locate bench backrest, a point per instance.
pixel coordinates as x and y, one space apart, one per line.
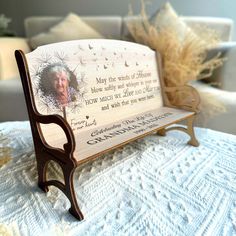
109 80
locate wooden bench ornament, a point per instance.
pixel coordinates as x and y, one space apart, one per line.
87 97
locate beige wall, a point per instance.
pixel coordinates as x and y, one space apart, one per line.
19 9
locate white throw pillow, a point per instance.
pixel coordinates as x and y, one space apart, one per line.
166 17
71 28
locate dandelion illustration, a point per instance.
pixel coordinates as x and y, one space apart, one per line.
61 56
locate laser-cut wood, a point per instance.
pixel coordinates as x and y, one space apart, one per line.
126 99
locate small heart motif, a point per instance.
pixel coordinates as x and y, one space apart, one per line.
87 117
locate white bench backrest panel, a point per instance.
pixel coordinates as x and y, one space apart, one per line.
116 79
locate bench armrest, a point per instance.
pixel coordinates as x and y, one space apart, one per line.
69 147
8 45
183 97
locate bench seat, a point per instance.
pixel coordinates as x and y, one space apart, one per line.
96 141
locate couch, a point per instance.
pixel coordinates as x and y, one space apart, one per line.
12 104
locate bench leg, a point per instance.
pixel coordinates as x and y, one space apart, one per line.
162 132
42 170
67 188
70 193
189 130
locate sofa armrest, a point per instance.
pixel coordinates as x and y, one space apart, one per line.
8 45
224 76
223 121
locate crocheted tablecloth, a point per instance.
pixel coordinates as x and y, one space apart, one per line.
154 186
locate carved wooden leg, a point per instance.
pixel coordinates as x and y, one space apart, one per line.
162 132
70 193
67 188
189 130
193 141
42 169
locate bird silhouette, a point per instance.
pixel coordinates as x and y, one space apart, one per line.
81 61
80 47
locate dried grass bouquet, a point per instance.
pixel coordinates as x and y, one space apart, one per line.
184 54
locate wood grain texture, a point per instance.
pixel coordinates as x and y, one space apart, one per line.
115 96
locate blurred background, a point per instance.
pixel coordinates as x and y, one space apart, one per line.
18 10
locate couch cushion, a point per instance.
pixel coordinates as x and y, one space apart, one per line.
223 26
166 17
70 28
108 26
163 18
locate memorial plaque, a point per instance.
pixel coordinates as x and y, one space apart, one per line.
95 84
108 92
101 79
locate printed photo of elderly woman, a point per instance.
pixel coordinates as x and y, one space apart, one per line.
58 85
